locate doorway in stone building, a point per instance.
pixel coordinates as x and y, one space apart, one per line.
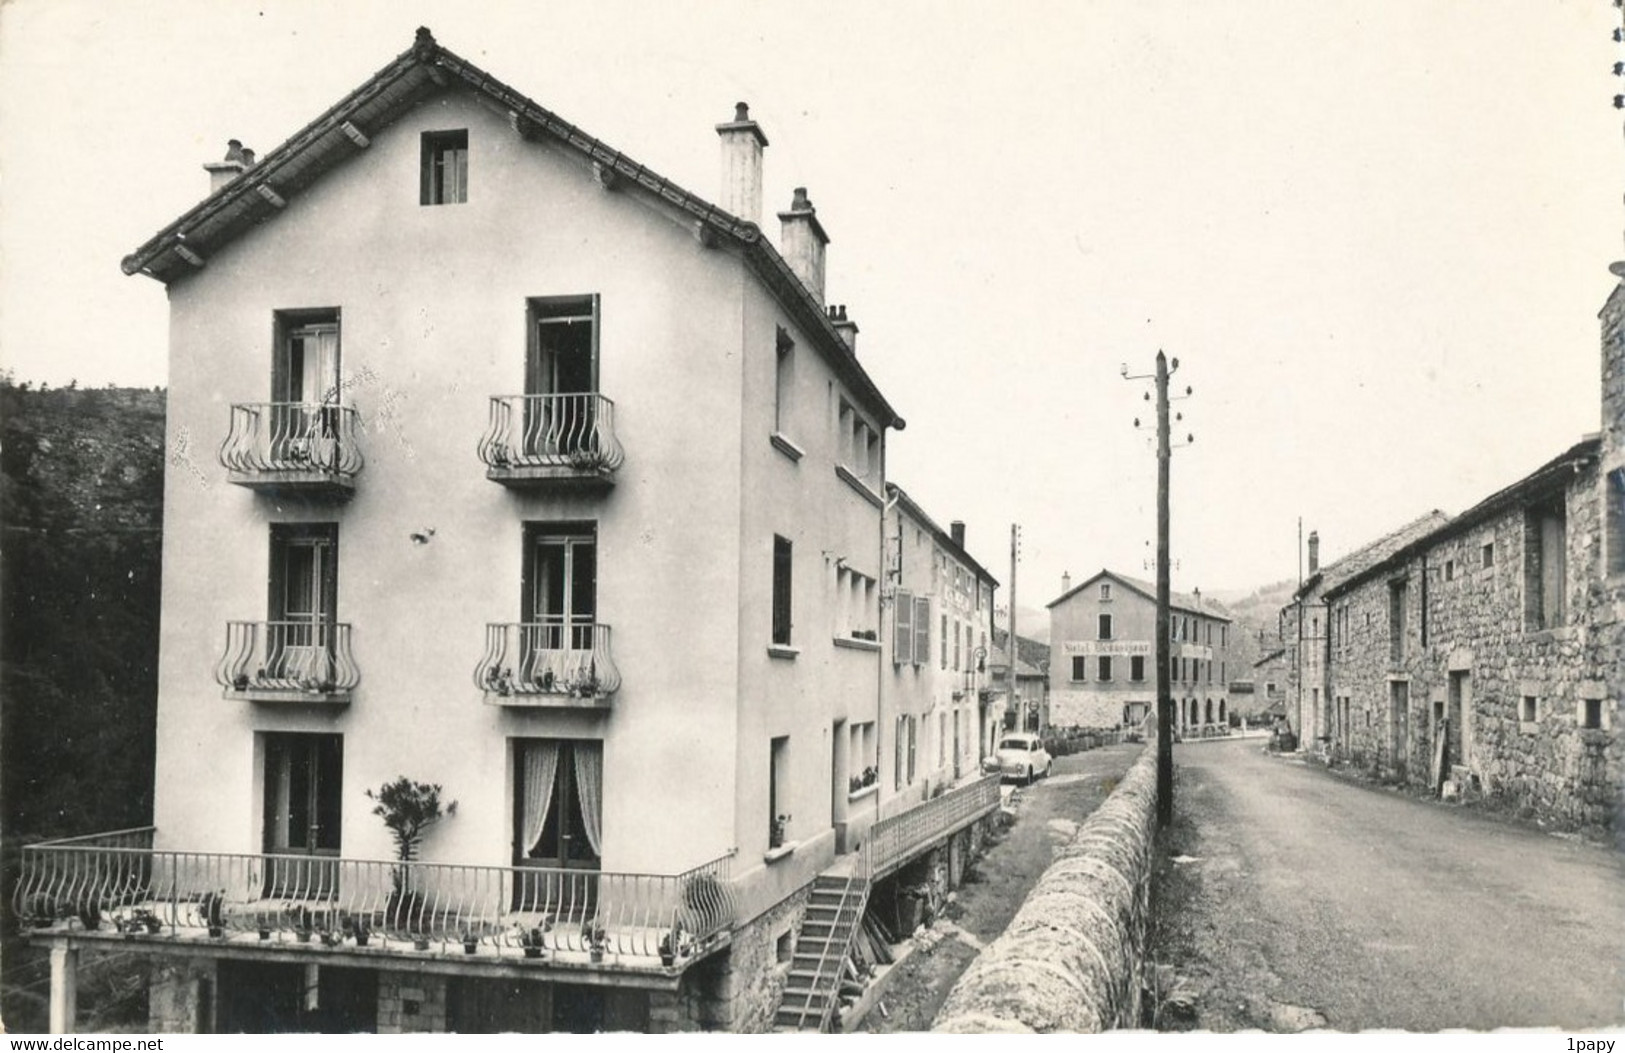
1399 705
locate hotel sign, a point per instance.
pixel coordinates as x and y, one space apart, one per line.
1106 647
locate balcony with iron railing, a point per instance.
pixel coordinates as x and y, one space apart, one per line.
288 661
537 441
293 447
548 663
116 886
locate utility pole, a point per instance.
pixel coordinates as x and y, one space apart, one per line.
1010 642
1165 698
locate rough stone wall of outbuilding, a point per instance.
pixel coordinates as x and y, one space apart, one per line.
1073 957
1550 767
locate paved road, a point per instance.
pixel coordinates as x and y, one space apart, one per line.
1378 910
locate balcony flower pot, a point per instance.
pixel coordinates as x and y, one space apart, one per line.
362 936
470 943
420 943
265 934
532 952
217 932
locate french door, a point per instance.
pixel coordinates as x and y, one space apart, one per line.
303 797
557 825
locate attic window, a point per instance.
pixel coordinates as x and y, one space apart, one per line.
445 168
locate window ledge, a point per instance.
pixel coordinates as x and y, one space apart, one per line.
1528 727
851 479
1557 633
782 651
785 446
773 855
857 644
858 795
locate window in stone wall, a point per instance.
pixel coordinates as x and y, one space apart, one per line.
1591 713
1449 570
1528 709
1487 555
1398 593
1544 557
1080 663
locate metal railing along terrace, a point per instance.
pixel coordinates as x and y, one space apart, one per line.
119 884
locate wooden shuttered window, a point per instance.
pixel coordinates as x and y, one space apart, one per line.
922 630
902 652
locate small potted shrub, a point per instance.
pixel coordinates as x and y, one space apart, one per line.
595 937
359 930
672 944
304 925
90 916
213 910
533 939
471 943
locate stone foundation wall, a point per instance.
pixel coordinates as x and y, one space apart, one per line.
739 990
411 1003
181 996
1073 957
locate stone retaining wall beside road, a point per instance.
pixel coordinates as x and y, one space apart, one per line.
1073 956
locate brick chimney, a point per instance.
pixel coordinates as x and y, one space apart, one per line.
236 163
844 325
742 143
1314 551
956 530
802 240
1066 582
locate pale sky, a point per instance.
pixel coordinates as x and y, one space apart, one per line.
1376 234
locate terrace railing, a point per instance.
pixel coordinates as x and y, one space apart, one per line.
552 662
120 882
551 436
288 660
892 841
291 442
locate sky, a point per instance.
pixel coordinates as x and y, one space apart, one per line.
1374 234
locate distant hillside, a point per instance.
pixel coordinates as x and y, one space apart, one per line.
81 496
1256 613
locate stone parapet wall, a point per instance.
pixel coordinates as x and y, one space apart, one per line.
1073 957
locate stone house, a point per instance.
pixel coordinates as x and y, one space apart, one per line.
1462 657
1487 655
1305 629
541 479
1024 704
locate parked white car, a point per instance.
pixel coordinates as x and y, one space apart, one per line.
1020 756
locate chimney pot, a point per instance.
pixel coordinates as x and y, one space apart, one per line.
802 240
847 328
223 172
1066 581
742 145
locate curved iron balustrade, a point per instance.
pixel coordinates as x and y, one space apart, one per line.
304 658
118 884
574 432
553 657
291 438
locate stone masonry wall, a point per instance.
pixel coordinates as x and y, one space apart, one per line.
176 994
1072 959
739 990
410 1003
1549 767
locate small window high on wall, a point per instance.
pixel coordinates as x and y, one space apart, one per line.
444 168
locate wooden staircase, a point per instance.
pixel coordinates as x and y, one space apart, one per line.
834 912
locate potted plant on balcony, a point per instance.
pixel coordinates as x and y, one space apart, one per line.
594 935
304 924
357 929
586 459
408 810
675 942
471 942
533 939
778 832
212 909
90 915
499 681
